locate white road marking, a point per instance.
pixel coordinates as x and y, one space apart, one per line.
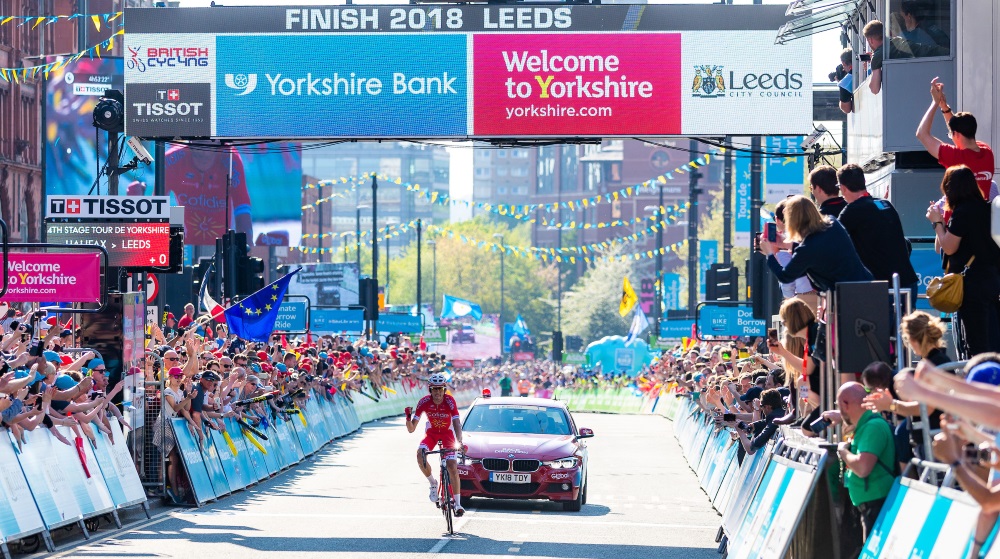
513 549
459 523
72 547
543 520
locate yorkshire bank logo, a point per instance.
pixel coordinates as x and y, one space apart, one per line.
708 82
247 83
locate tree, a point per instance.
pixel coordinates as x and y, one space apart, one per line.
470 269
591 306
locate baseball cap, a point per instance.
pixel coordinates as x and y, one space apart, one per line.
96 362
170 316
65 332
751 394
51 356
255 367
987 372
211 376
176 372
281 368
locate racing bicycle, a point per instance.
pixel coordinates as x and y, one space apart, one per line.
445 501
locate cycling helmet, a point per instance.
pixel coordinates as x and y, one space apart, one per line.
437 379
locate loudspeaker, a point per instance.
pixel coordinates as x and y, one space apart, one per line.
864 324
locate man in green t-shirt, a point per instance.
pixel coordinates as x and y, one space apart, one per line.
505 385
869 458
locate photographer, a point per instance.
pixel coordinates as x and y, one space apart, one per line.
844 79
825 253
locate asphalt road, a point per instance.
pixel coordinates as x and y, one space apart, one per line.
364 497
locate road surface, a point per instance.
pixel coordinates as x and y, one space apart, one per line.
364 497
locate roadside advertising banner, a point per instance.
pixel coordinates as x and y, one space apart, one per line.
58 278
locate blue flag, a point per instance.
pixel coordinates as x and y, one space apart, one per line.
521 327
454 308
252 319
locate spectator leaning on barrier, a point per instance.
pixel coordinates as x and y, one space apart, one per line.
967 245
769 408
825 252
875 230
869 458
826 191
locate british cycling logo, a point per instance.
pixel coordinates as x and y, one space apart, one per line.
708 82
134 62
247 83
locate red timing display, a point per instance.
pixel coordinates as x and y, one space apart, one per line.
129 245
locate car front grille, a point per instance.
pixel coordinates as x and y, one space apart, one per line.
496 464
526 465
510 488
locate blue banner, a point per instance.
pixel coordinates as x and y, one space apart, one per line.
405 323
783 176
715 321
675 329
292 317
334 321
927 263
741 196
708 254
671 291
296 86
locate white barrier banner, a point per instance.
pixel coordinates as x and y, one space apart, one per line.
18 513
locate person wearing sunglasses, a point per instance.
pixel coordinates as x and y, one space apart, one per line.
444 425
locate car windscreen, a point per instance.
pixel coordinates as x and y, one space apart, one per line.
510 418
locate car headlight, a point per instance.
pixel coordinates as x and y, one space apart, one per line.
562 463
466 461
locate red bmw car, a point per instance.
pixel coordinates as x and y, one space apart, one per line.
524 448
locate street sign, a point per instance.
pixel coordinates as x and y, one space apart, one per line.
573 358
406 323
335 321
436 335
292 317
726 321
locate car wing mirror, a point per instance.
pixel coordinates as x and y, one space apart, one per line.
585 433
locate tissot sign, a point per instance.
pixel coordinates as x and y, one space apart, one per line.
445 71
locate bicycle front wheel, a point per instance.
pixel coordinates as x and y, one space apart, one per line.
446 503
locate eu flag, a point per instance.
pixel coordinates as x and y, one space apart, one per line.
252 319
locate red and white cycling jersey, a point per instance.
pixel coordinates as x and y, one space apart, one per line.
439 416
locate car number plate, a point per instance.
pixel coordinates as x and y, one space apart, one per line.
510 478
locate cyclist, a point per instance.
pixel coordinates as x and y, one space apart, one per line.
444 425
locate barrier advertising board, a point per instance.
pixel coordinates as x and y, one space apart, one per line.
525 71
59 278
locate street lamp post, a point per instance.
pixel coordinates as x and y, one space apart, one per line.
387 258
420 227
357 235
372 330
502 250
434 276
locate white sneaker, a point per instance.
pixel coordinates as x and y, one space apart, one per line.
434 491
459 511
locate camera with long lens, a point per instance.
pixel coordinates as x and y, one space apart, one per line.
838 74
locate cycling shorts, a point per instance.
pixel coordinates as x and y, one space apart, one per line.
447 439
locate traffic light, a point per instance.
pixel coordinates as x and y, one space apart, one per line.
557 346
249 275
574 343
722 283
368 297
515 345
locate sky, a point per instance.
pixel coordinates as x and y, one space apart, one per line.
826 52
